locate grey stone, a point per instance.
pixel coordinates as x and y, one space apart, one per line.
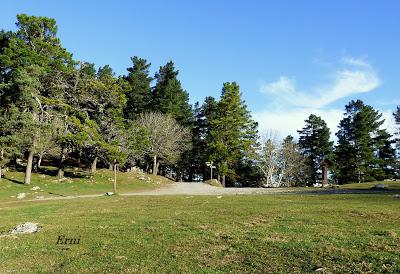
27 227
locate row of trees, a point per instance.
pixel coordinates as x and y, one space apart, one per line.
59 111
364 151
66 112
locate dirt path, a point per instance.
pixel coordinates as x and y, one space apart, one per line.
205 189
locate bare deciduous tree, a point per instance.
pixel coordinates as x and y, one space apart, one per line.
166 138
280 163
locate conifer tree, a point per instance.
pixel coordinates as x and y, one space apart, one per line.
386 155
169 97
315 145
33 66
232 134
355 152
396 116
137 88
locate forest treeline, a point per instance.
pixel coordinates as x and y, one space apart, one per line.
58 111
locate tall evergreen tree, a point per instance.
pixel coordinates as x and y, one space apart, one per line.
386 155
169 97
137 88
34 65
233 134
315 145
199 154
103 101
396 116
355 152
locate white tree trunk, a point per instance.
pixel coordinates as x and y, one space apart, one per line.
155 165
115 178
28 171
94 165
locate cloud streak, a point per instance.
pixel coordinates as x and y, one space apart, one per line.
357 77
292 106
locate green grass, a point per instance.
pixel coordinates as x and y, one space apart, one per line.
206 234
391 185
76 182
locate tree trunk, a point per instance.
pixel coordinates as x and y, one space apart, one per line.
110 166
28 171
155 165
223 180
115 178
39 163
219 177
60 173
1 165
94 165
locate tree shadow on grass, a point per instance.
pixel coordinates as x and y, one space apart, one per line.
67 173
61 195
75 174
13 180
48 172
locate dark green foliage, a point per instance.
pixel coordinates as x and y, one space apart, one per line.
396 116
199 154
169 97
137 88
12 133
233 134
386 156
315 145
356 150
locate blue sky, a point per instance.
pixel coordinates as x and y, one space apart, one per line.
291 58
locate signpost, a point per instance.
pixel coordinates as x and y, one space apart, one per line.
210 164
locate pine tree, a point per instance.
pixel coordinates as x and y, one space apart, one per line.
201 126
137 88
355 152
33 66
12 134
396 116
232 134
386 155
169 97
102 100
315 145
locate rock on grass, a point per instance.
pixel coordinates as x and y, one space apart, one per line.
27 227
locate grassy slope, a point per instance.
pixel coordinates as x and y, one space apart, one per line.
287 233
75 183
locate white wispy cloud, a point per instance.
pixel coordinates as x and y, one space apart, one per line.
286 123
284 85
292 106
289 121
356 77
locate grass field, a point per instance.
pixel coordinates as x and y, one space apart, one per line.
76 182
391 185
206 234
